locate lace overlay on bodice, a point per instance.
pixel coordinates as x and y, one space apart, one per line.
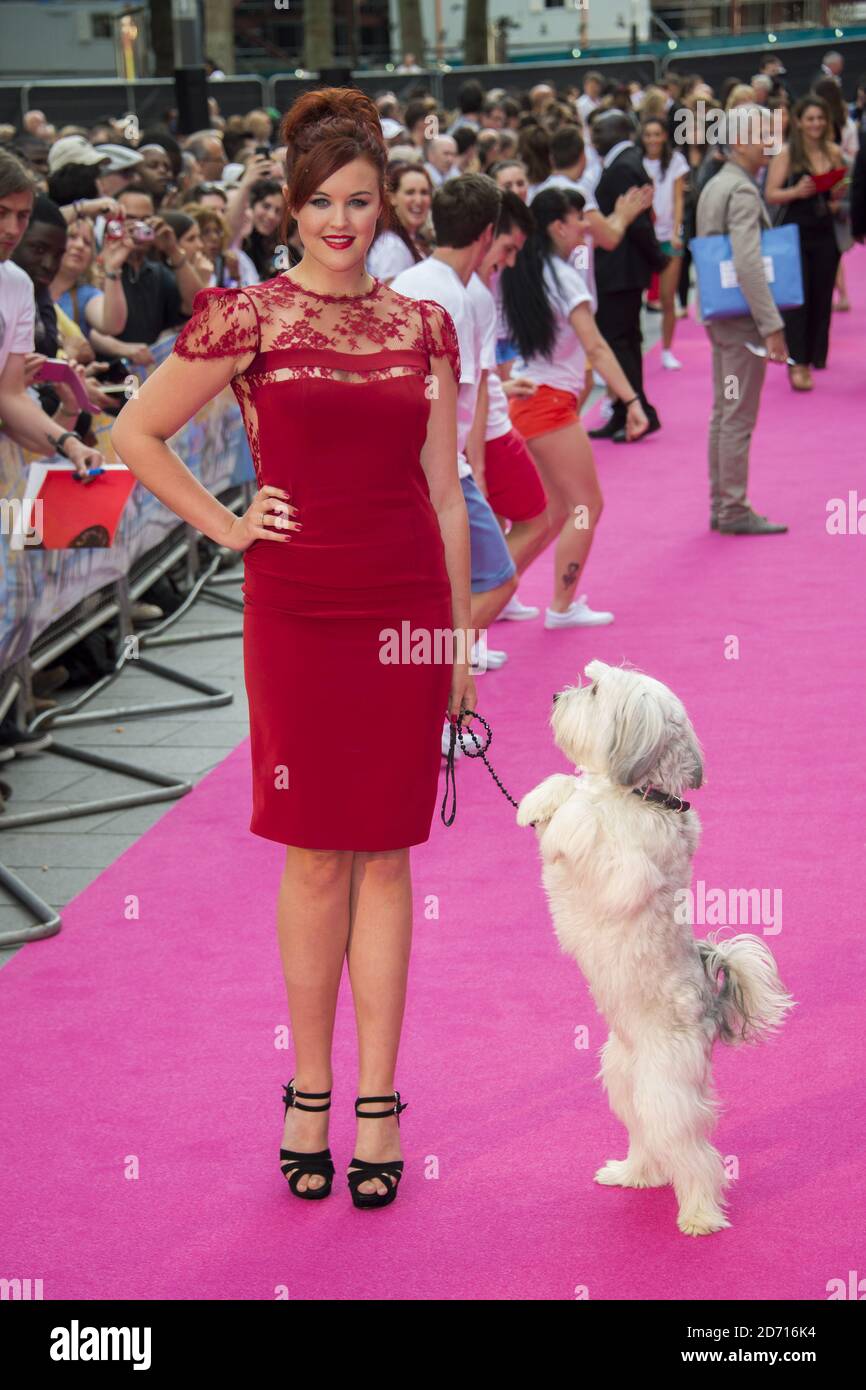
279 316
297 333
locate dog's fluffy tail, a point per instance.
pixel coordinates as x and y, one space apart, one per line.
750 1000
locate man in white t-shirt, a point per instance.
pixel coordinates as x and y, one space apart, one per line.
506 470
465 211
593 86
22 416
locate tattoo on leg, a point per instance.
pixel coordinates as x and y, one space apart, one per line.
569 579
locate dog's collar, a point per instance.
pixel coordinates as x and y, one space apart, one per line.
650 793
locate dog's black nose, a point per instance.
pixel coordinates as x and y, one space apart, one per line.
556 697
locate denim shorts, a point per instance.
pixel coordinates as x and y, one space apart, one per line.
491 559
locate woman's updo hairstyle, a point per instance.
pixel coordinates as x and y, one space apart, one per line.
322 131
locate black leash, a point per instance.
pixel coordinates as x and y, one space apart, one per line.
646 793
457 731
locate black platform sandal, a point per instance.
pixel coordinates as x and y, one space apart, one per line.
390 1173
299 1164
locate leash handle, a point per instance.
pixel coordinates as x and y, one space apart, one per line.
457 731
449 774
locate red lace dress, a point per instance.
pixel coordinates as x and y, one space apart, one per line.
345 739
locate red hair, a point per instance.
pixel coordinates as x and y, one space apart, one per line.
323 130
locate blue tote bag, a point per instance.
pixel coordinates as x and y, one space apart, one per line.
718 289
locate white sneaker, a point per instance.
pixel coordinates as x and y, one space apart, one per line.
516 612
672 363
578 614
492 660
446 742
605 410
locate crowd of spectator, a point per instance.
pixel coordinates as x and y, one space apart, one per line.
107 232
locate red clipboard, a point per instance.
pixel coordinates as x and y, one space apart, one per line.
60 513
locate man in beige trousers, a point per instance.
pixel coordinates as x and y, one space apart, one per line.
731 203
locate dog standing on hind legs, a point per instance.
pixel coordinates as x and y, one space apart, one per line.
617 844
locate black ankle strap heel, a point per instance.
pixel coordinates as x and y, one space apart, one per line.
390 1173
297 1164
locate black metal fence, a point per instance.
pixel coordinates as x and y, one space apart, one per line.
86 101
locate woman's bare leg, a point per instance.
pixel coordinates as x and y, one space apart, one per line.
527 539
668 281
380 938
313 930
489 603
565 462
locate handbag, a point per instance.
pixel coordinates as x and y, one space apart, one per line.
718 288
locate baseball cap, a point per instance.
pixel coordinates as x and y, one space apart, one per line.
120 158
390 128
72 149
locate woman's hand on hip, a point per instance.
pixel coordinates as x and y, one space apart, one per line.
268 515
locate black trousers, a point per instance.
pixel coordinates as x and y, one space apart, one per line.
618 320
685 277
807 329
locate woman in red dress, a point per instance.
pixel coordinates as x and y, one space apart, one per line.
356 561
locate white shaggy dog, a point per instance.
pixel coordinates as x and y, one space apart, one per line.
613 863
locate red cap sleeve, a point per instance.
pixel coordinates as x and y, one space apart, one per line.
440 335
224 323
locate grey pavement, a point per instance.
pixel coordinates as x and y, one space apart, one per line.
59 859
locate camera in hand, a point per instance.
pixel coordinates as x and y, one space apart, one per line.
119 369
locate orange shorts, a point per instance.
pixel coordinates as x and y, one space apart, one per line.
546 409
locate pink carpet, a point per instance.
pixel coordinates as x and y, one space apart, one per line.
141 1112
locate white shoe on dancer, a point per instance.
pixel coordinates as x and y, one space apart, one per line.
517 612
578 614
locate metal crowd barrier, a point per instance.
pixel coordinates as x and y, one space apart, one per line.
53 599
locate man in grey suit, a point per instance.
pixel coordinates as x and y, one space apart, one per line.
731 204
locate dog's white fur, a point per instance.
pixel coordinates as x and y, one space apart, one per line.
612 866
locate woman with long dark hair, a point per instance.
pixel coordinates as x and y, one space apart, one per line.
264 236
809 153
548 310
402 242
357 534
668 170
847 137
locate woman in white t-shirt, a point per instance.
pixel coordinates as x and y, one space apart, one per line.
548 310
403 244
668 170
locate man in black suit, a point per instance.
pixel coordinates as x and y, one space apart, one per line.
772 66
623 274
